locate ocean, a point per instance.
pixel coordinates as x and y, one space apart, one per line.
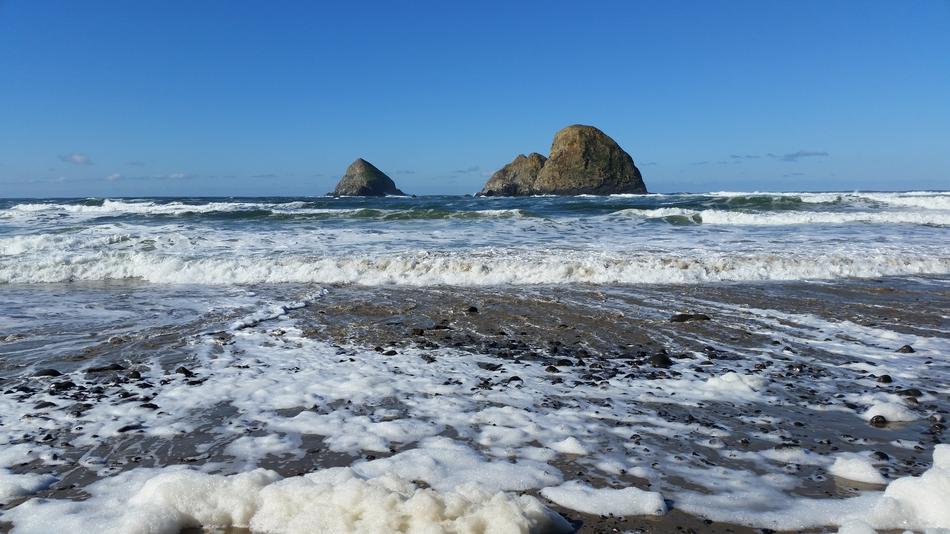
723 361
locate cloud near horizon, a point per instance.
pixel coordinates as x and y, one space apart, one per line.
76 158
795 156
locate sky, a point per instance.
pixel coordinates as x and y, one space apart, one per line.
240 98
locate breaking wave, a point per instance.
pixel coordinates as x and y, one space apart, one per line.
466 269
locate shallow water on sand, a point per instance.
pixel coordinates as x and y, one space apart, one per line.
549 391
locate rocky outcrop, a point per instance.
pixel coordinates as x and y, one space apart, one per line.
363 179
517 178
583 161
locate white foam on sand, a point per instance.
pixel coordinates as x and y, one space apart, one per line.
159 501
856 467
504 438
628 501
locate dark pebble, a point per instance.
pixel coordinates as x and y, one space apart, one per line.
44 404
906 349
134 375
428 358
106 368
661 360
552 369
149 405
471 309
878 421
885 379
418 331
129 428
911 392
184 371
686 317
62 386
390 353
47 372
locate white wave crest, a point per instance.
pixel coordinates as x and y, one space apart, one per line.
780 218
466 269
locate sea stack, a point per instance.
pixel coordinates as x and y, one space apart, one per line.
583 161
363 179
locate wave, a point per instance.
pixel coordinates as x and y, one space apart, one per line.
467 269
724 217
243 210
936 200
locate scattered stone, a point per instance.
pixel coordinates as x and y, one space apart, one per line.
906 349
661 360
63 386
129 428
185 371
418 332
47 372
390 352
686 317
106 368
885 379
471 310
878 421
44 404
149 405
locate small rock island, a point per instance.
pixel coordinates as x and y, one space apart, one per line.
363 179
583 161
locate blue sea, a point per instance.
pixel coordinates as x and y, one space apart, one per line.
636 239
709 362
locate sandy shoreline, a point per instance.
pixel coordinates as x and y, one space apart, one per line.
585 340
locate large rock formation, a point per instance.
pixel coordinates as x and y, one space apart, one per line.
516 178
362 179
583 161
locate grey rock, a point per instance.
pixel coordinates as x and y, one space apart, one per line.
363 179
518 178
583 161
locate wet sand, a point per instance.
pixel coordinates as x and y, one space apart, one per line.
587 337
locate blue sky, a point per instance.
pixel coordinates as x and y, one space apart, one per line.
119 98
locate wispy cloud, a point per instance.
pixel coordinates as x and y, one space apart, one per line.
268 175
648 164
744 156
469 170
404 171
169 176
113 177
76 158
704 162
795 156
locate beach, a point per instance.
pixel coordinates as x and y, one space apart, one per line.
719 362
